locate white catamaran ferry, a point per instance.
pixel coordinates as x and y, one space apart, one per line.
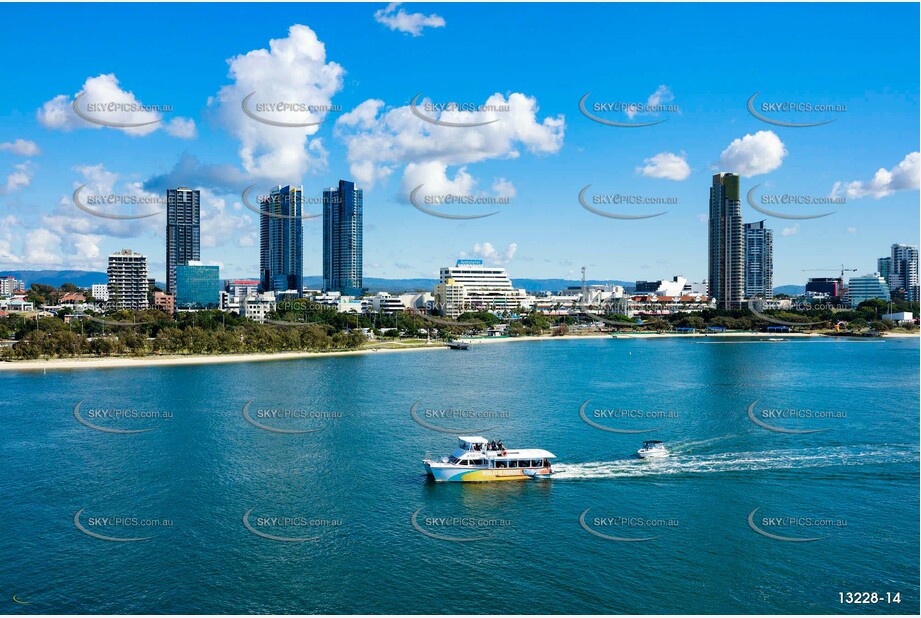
479 460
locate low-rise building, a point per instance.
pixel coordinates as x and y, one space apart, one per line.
384 302
902 317
257 307
100 291
71 299
164 302
238 289
17 305
650 305
678 286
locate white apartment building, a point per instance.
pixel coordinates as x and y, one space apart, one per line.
904 270
10 284
449 298
128 285
384 302
258 306
100 291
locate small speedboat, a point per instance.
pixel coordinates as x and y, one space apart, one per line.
458 345
653 449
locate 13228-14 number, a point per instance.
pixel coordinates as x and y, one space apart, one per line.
870 598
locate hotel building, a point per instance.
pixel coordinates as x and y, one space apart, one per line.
470 286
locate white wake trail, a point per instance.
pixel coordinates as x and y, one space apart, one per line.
785 459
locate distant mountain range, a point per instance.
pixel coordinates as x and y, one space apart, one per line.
790 290
376 284
85 278
57 278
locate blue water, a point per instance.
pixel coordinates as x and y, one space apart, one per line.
357 481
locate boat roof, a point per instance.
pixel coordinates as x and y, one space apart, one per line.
527 453
473 439
652 442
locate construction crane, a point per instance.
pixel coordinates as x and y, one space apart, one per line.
840 275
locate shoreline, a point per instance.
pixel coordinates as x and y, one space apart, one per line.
122 362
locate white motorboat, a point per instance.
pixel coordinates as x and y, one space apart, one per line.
653 449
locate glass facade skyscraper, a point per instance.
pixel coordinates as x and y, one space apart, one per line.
342 239
726 243
183 231
759 260
281 240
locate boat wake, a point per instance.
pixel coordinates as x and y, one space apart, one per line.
784 459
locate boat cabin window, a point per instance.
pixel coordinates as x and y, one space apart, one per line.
476 462
452 459
513 464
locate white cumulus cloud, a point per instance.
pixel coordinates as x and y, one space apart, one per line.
408 23
19 178
489 253
41 248
293 72
381 140
102 98
755 154
21 147
7 253
434 175
666 165
906 176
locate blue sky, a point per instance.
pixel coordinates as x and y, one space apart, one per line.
370 60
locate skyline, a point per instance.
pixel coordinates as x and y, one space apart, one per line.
46 152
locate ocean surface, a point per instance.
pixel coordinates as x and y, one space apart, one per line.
206 507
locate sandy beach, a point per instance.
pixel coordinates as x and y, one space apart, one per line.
122 362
